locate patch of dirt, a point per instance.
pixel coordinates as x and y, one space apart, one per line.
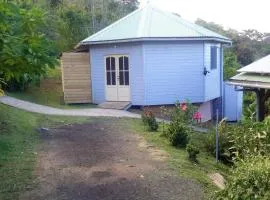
102 160
154 152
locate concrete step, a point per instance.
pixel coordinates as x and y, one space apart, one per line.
117 105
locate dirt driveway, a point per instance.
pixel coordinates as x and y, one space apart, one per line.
102 160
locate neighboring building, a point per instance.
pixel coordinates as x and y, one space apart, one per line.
256 77
154 57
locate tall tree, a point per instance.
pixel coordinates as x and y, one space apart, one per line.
25 52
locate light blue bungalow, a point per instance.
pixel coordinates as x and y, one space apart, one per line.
154 57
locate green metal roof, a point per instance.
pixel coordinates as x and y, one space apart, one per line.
252 77
260 66
251 80
150 23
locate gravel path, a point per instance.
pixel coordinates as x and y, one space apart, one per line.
104 160
91 112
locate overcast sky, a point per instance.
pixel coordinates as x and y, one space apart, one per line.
236 14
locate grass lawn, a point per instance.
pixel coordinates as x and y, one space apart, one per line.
48 93
179 158
18 141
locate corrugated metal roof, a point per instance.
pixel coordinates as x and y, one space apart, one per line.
251 80
150 23
260 66
252 77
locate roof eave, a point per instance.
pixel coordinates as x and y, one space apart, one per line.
225 41
254 71
249 84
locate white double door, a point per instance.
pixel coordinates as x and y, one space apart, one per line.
117 74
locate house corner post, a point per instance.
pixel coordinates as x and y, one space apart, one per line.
260 104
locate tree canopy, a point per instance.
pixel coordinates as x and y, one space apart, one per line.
34 32
24 49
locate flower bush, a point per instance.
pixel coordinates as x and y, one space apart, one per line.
197 116
178 130
149 120
183 112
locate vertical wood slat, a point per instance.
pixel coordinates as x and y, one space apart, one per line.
76 78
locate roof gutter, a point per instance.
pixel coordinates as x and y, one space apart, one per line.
224 41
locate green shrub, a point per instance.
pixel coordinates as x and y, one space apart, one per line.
225 153
250 180
193 151
149 120
240 140
177 134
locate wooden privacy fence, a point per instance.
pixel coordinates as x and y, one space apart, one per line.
76 78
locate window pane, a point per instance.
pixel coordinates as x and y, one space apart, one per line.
112 63
126 78
108 63
213 57
121 77
113 78
108 78
121 63
126 63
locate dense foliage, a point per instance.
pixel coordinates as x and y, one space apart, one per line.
250 180
246 146
25 52
33 33
240 141
72 21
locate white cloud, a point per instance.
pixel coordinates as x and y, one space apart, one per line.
236 14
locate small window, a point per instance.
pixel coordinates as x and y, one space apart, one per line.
213 57
123 70
126 63
110 71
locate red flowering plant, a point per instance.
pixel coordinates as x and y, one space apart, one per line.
183 112
197 116
149 120
183 106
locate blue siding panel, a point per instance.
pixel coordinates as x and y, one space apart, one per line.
173 71
97 54
162 72
212 79
233 103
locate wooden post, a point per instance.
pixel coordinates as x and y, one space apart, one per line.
260 104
